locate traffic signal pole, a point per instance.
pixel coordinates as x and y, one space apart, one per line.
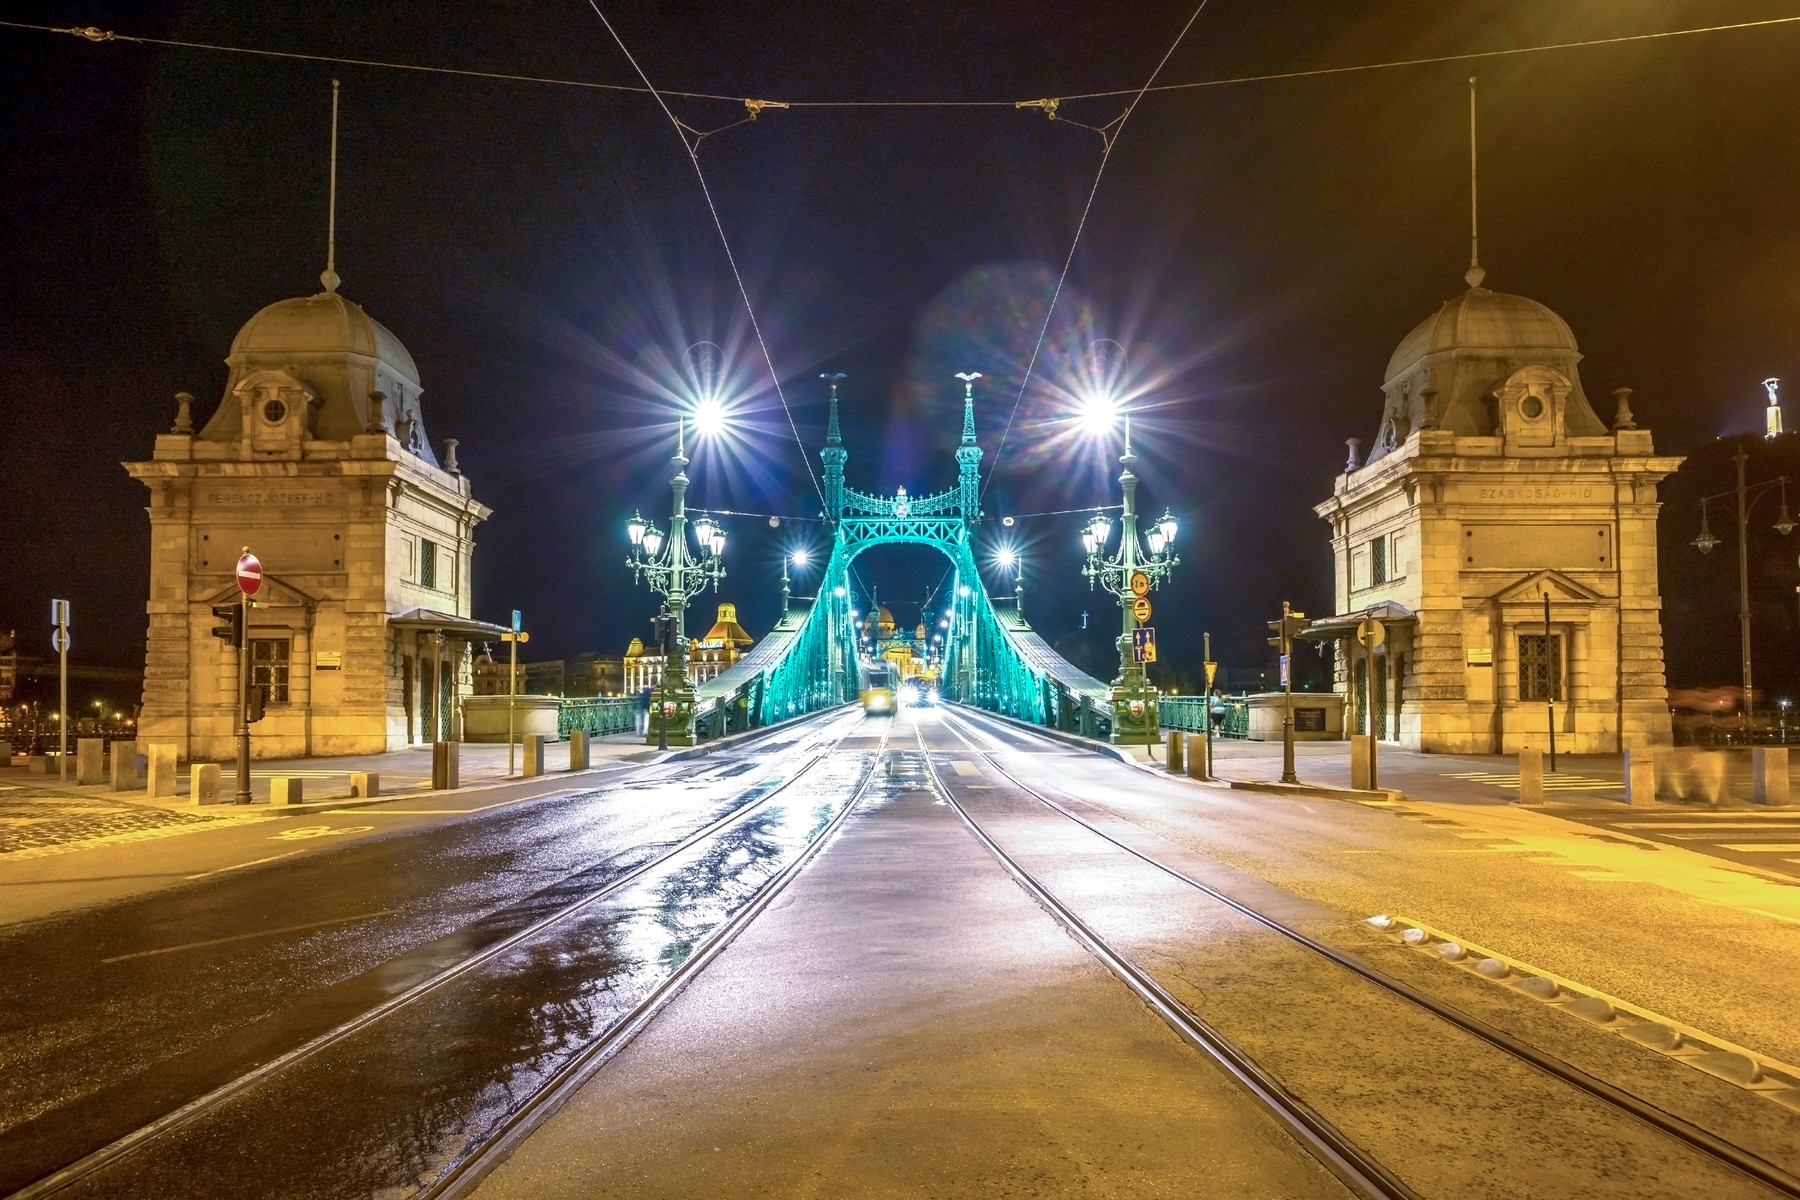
1287 687
243 697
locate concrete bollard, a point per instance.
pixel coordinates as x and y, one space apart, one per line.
1668 761
159 775
90 760
1640 775
1196 756
578 750
531 755
365 785
285 789
5 753
445 766
1359 762
203 783
1531 776
1769 774
38 764
1175 760
125 766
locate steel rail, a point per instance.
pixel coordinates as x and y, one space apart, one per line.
1701 1139
1334 1150
542 1104
122 1147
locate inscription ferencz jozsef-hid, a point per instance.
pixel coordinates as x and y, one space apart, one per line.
272 497
1545 492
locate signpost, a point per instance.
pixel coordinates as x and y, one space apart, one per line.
1143 645
512 682
1212 669
249 581
1370 634
1140 610
1286 630
59 641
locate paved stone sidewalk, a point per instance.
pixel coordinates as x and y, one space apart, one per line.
35 821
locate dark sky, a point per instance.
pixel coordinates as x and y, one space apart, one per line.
546 252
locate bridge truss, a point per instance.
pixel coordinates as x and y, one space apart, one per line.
992 658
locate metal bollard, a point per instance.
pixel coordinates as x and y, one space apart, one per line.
578 750
1175 763
1359 762
1196 756
1531 776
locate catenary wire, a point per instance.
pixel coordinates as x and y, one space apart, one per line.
1117 126
693 153
94 34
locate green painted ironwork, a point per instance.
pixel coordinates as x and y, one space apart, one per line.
992 658
598 716
1189 713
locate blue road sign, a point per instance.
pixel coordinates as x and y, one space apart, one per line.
1143 645
518 622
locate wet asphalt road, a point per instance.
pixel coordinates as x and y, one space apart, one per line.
118 1015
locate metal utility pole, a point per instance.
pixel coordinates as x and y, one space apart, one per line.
59 617
1291 625
1207 703
512 685
1743 548
249 581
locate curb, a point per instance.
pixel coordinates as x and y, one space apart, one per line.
1324 791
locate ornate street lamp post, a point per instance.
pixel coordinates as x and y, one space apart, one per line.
678 574
1705 541
1130 574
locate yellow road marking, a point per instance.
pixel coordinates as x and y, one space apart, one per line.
1734 823
305 832
239 937
962 767
1763 847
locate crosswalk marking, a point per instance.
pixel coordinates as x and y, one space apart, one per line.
1552 783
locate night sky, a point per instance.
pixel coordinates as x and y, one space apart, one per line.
546 254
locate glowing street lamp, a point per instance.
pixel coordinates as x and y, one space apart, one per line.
670 568
1705 541
1129 573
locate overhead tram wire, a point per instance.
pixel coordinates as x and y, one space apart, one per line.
97 35
693 153
1108 140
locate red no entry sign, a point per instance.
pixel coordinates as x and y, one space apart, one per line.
249 574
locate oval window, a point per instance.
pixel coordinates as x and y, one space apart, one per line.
1532 407
274 411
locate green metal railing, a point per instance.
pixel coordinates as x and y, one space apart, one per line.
1189 713
597 716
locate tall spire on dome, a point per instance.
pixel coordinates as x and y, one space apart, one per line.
329 277
834 455
1475 274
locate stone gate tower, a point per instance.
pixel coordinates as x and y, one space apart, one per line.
1491 484
316 458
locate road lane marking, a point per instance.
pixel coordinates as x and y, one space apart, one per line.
964 767
1763 847
1722 824
255 862
239 937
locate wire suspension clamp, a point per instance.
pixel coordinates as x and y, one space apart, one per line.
1048 104
755 107
91 33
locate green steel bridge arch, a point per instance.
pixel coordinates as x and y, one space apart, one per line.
992 657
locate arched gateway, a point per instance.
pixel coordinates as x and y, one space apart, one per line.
992 658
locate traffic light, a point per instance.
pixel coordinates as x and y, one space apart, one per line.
1289 627
1278 643
1297 624
255 702
232 631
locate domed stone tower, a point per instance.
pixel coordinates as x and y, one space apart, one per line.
1490 485
316 459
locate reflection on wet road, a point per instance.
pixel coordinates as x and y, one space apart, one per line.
392 1106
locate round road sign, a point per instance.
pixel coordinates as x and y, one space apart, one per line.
1140 584
59 640
1140 610
249 574
1371 633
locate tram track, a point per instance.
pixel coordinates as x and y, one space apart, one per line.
1355 1166
92 1174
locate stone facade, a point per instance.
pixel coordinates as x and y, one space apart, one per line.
316 460
1491 484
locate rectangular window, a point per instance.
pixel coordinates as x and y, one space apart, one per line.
1378 560
269 667
1540 667
427 563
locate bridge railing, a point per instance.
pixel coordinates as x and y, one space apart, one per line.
598 715
1189 713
